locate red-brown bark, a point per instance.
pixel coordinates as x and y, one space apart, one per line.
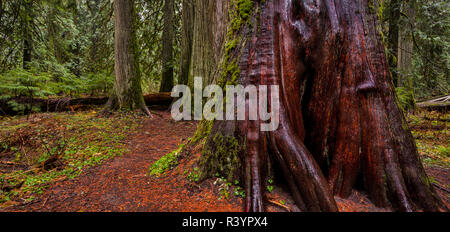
339 119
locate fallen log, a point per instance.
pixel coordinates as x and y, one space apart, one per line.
161 99
74 104
441 103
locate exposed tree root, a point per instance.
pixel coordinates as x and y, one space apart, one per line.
114 104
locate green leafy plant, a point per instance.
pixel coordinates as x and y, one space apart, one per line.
166 162
270 186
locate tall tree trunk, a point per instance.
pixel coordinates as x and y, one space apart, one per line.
187 34
338 116
53 31
208 36
27 21
167 47
406 46
76 50
94 8
127 93
393 37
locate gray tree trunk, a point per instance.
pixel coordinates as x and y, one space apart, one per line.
406 47
167 47
339 118
127 94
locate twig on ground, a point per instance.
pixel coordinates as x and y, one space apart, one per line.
280 205
441 188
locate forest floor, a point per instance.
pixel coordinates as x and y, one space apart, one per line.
78 162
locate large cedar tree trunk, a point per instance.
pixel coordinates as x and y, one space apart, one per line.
127 93
340 124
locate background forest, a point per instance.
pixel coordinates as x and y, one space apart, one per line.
66 47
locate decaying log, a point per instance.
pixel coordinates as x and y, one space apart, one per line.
73 104
439 104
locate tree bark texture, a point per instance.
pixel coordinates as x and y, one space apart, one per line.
340 125
187 34
209 29
393 37
158 100
406 47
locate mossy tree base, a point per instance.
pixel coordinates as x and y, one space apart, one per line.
222 153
